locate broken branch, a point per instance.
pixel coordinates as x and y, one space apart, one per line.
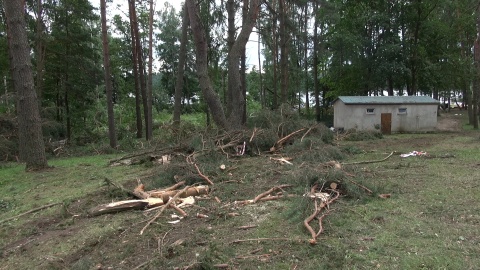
163 209
369 161
202 175
269 192
30 211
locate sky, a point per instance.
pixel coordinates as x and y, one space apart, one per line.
122 9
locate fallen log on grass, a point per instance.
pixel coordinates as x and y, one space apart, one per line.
118 207
191 191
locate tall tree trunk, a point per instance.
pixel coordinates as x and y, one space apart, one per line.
283 52
234 81
138 109
31 144
243 64
275 58
476 85
112 134
231 31
211 97
177 107
150 73
305 60
66 83
40 51
141 71
315 64
259 52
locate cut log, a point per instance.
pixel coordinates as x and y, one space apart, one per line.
118 206
191 191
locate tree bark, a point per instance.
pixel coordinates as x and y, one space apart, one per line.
234 81
211 97
112 135
31 144
141 71
138 109
177 107
283 52
315 64
150 73
231 10
40 52
243 64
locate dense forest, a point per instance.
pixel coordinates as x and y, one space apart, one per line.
97 72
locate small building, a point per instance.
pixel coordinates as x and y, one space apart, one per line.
386 113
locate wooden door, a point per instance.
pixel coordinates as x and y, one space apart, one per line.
386 123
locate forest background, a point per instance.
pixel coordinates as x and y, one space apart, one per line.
309 52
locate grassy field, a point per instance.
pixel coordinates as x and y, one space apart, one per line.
430 220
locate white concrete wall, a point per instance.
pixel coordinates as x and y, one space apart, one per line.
417 118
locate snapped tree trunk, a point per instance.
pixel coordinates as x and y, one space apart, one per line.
32 147
112 135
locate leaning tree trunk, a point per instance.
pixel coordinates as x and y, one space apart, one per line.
211 97
31 144
234 81
177 107
112 135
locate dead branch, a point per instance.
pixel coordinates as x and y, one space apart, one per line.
247 227
258 197
307 221
174 187
369 161
179 210
280 142
202 175
361 186
163 208
267 198
305 134
253 134
30 211
318 209
320 220
265 239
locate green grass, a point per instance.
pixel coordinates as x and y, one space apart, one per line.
429 222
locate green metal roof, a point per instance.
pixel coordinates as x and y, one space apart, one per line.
350 100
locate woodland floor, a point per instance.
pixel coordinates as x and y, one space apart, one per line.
429 221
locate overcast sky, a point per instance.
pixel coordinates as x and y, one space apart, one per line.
122 9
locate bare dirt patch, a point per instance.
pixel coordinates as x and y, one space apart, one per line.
451 122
